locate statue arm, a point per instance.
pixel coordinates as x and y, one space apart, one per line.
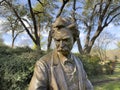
39 80
88 85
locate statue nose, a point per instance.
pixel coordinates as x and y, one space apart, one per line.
61 44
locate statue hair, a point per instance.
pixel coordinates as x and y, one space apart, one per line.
65 23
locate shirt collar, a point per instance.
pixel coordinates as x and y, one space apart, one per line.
63 60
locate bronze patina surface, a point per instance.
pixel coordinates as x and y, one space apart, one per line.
60 69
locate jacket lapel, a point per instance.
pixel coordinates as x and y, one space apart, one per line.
58 73
80 73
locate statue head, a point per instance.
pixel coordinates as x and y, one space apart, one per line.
65 33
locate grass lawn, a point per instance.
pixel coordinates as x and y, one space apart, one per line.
113 85
110 85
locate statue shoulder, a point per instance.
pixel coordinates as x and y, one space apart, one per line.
46 59
78 59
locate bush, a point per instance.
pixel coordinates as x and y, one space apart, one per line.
91 64
110 67
16 67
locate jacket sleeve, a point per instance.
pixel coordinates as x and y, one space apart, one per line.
88 84
39 80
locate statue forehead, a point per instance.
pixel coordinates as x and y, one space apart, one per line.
65 33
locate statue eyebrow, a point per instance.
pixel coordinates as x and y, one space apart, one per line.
67 37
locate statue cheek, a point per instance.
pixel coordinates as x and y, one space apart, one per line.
57 45
70 44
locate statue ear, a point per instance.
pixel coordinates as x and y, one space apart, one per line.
73 27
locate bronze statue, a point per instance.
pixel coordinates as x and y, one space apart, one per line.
60 69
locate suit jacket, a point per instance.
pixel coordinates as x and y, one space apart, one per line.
49 75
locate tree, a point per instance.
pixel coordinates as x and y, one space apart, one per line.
92 16
101 45
118 44
32 29
97 15
12 24
1 40
44 18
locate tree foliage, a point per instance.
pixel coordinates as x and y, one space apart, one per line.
1 40
12 25
95 16
92 17
102 44
26 14
118 45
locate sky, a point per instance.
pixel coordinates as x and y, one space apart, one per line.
115 31
24 40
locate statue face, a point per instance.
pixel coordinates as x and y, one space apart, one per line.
64 41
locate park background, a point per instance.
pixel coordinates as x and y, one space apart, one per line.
24 32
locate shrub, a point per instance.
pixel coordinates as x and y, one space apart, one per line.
16 67
91 64
110 67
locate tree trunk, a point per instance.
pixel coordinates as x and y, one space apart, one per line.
13 38
49 40
91 42
37 38
39 43
13 43
79 47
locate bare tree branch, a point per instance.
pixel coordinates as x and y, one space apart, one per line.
113 18
114 10
40 2
62 7
28 24
20 20
74 9
97 33
101 4
89 27
105 10
18 33
74 19
86 24
1 2
78 8
34 23
93 12
14 37
37 12
100 28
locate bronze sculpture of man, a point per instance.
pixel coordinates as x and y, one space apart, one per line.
60 69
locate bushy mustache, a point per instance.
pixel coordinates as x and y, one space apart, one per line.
63 49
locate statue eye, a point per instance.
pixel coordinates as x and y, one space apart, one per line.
66 40
57 40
